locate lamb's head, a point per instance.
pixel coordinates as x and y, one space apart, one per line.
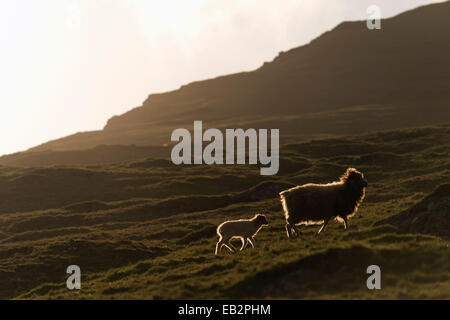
355 181
261 220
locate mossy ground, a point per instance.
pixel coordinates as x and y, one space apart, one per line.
146 229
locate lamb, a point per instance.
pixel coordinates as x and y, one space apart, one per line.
245 229
313 204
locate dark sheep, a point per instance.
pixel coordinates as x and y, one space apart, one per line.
313 204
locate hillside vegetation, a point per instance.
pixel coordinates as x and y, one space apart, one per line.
146 228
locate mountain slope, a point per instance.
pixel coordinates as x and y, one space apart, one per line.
349 80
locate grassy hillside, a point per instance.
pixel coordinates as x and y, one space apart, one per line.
146 229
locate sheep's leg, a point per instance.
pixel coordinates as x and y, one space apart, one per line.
297 231
288 230
324 225
292 227
229 246
345 223
244 244
252 241
219 246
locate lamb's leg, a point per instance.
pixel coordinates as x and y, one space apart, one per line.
252 241
229 246
219 246
244 243
324 225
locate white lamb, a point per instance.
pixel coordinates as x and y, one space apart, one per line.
245 229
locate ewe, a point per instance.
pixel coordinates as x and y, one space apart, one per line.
319 203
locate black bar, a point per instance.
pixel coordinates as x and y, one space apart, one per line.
226 309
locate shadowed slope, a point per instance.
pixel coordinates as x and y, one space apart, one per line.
348 80
429 216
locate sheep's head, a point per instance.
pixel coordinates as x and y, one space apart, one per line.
261 219
354 178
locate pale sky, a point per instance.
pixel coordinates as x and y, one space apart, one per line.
69 65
